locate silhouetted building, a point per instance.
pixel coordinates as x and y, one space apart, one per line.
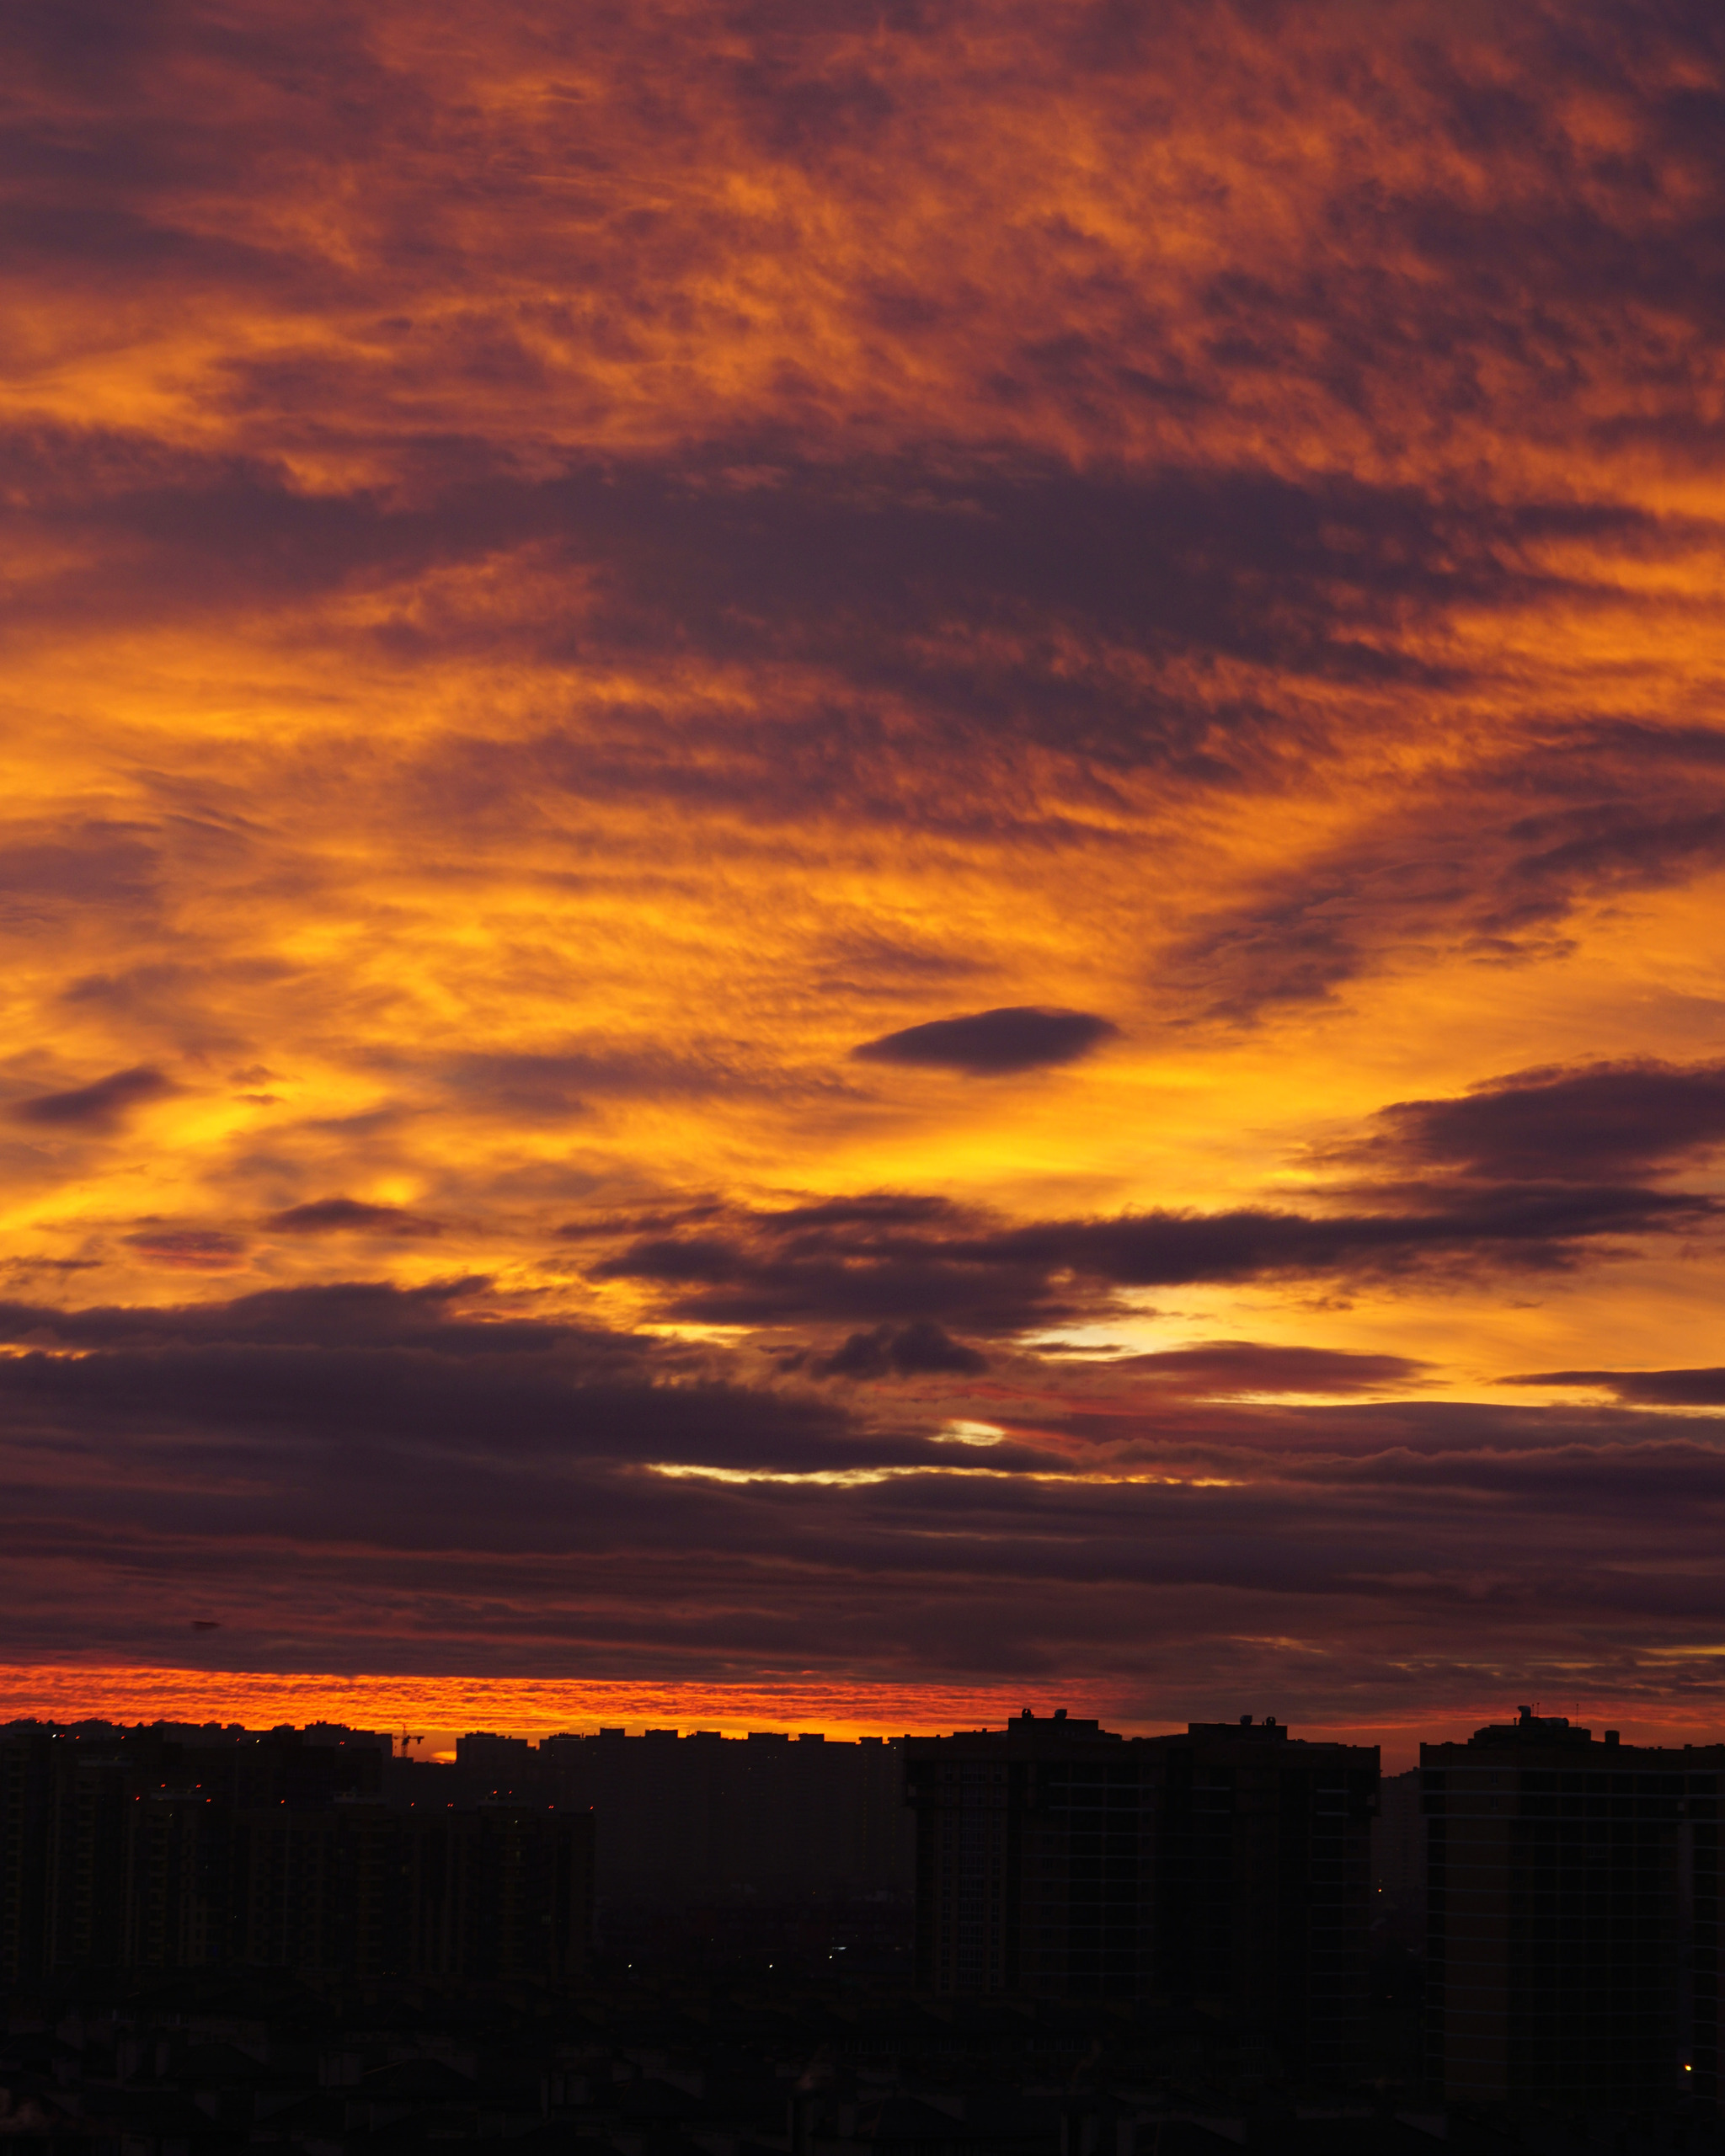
26 1800
1228 1868
1264 1883
326 1891
1398 1880
1034 1860
497 1761
88 1861
513 1888
178 1862
128 1849
766 1814
1573 1918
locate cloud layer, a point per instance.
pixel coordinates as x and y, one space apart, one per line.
885 846
363 1479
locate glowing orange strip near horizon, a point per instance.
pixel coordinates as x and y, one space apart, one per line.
442 1707
520 1706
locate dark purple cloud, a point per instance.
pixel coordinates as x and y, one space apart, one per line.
444 1317
834 1277
1224 1369
316 1417
763 1269
1489 862
102 1106
1533 1228
993 1044
46 876
1697 1388
369 1496
915 1350
333 1215
1602 1121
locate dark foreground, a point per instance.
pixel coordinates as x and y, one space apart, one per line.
731 2045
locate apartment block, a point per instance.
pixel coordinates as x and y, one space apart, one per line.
1227 1868
1573 1918
130 1850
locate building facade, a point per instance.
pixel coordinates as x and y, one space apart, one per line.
766 1814
126 1850
1033 1860
1227 1868
1572 1915
1398 1882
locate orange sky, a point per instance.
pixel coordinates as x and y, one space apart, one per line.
576 580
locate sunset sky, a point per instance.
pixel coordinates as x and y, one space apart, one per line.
862 856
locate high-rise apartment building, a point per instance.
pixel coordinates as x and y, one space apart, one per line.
1572 1926
766 1814
131 1849
1229 1867
1264 1885
1398 1882
26 1800
1034 1860
502 1891
86 1861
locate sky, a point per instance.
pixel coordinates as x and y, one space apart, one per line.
863 857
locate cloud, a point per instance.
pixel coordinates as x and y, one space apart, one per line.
1562 1125
1014 605
46 876
190 1249
1530 1228
337 1216
769 1272
919 1349
993 1044
448 1317
102 1106
400 1375
1529 1172
367 1497
1698 1388
1394 893
1226 1369
832 1266
874 1211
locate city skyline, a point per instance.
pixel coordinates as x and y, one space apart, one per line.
865 861
417 1716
